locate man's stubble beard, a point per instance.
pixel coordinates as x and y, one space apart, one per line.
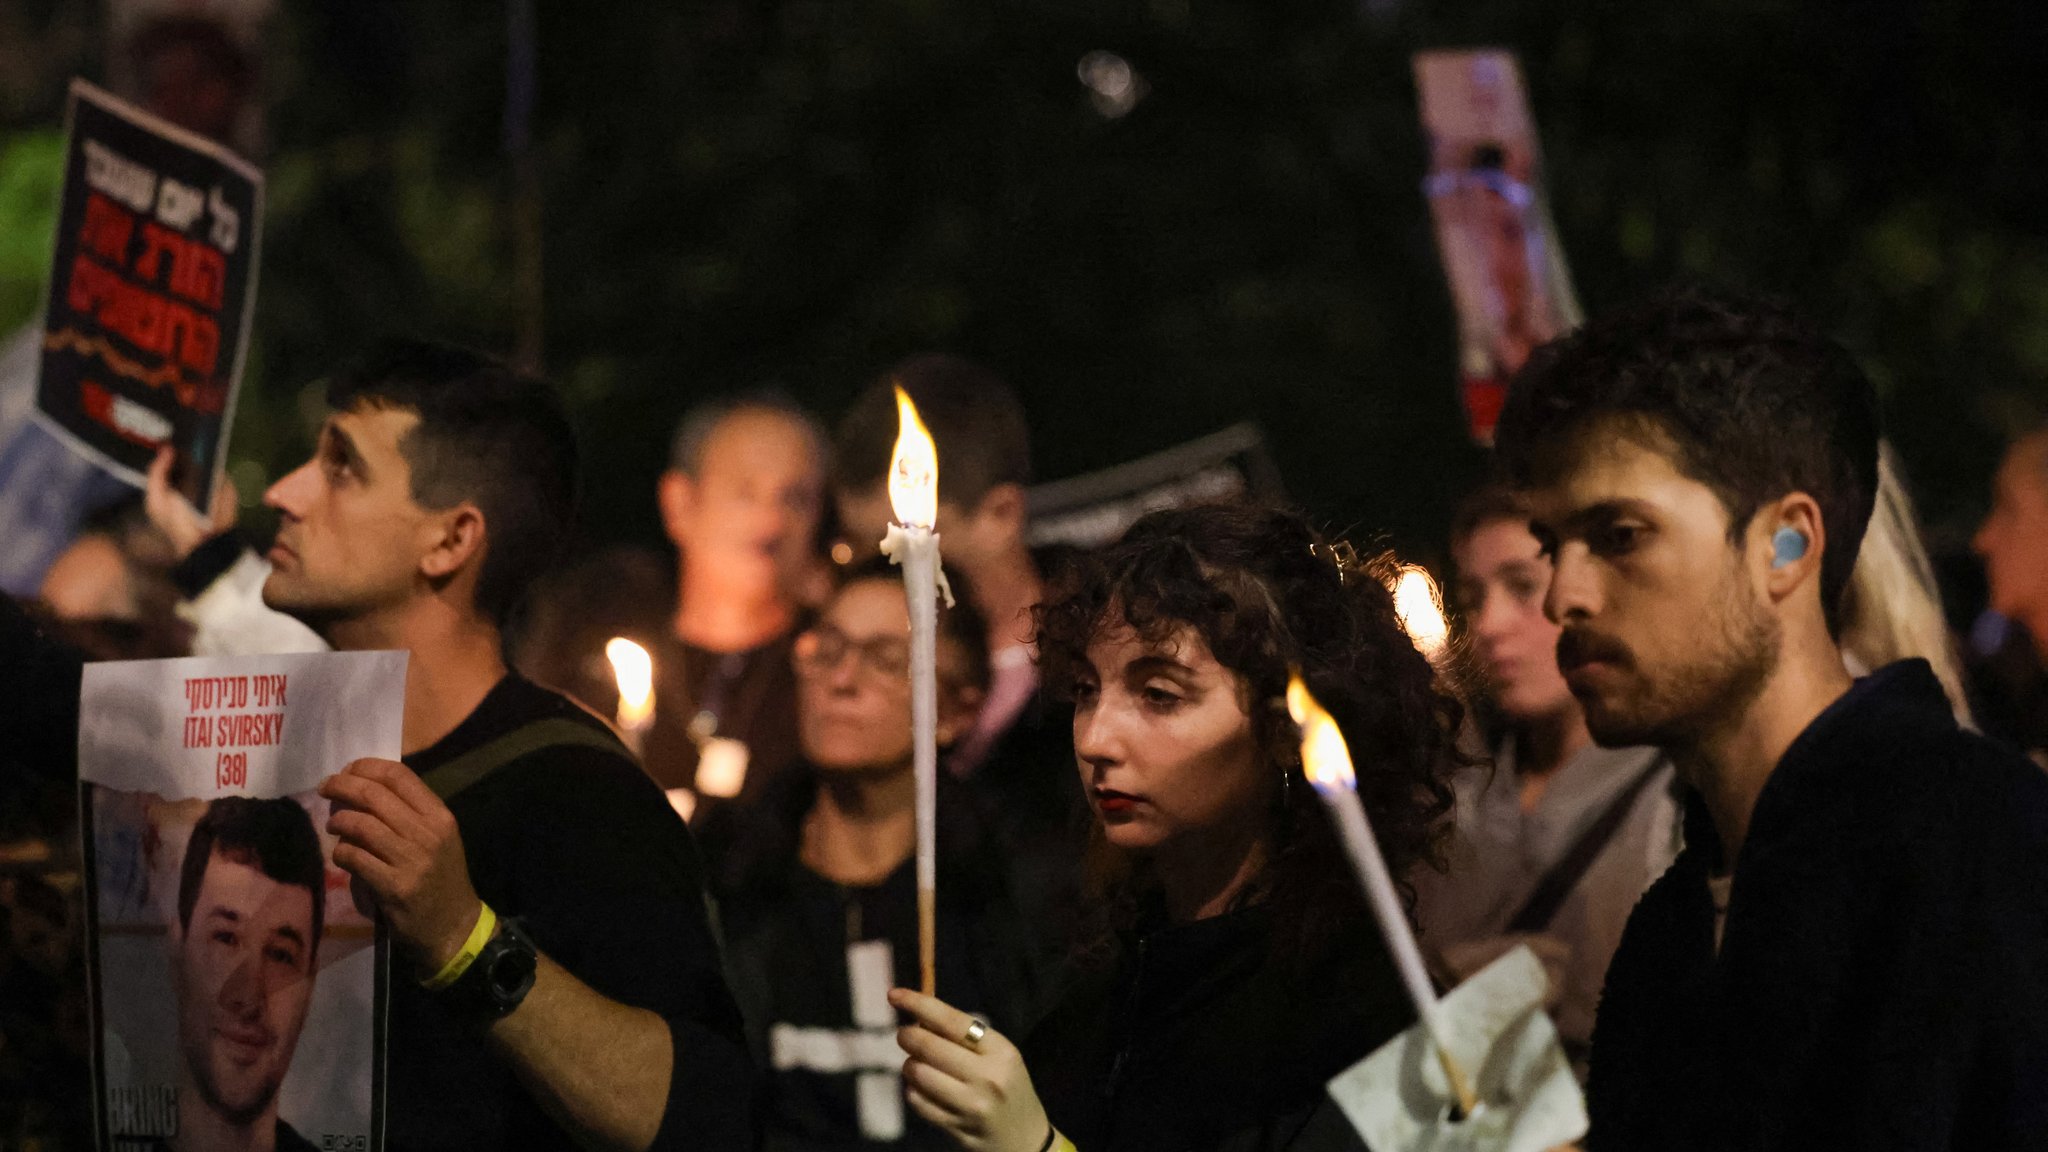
1685 703
281 597
322 610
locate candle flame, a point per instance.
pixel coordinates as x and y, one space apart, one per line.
914 469
1420 608
1324 758
633 668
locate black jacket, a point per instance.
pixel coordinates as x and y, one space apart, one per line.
1028 790
1211 1035
1883 976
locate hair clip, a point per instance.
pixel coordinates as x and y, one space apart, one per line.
1342 556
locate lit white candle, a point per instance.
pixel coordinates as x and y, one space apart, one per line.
633 669
1327 763
911 543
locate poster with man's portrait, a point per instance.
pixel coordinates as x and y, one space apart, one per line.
1500 251
238 992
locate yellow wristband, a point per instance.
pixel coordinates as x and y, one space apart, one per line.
486 923
1054 1142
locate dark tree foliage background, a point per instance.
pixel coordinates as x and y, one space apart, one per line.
740 192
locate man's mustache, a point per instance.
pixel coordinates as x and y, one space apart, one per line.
1577 646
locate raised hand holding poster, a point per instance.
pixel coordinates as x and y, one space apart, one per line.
236 987
151 289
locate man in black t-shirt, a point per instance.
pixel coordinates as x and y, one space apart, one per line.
557 983
526 866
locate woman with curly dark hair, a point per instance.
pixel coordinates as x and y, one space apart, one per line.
1235 967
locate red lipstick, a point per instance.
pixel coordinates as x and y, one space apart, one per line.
1113 803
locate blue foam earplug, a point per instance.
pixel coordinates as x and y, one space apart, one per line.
1787 545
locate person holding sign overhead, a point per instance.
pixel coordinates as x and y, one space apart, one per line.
1231 967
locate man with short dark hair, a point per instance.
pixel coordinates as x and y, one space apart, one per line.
1850 951
559 985
1019 758
251 909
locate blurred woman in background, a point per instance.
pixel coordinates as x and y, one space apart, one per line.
1555 840
1892 608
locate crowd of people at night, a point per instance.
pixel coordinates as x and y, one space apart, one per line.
1694 743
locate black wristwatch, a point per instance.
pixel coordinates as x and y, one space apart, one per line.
500 976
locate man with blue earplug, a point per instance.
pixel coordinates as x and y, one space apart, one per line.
1851 951
1788 545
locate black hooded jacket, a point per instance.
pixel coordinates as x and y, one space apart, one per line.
1882 980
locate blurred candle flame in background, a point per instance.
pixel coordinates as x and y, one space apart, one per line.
1420 608
633 668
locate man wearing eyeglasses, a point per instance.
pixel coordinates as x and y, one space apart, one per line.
818 886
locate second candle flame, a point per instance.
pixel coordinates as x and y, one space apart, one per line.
1420 607
914 469
634 671
1325 759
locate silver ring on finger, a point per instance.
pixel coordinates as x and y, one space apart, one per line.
976 1029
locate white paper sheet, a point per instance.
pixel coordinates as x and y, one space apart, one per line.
1494 1024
